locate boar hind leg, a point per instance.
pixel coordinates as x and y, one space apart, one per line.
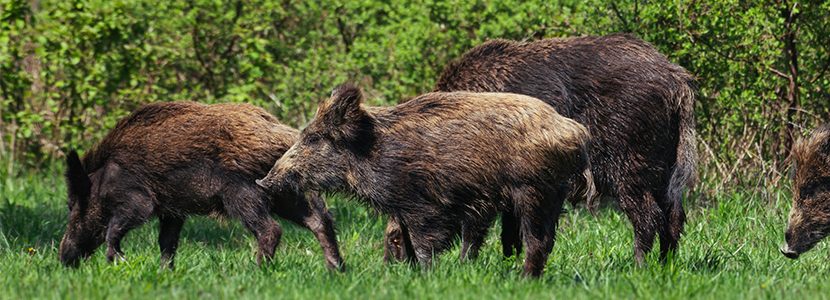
510 236
646 217
538 215
311 213
672 228
169 229
248 205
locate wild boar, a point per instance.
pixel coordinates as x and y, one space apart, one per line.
443 160
636 104
173 160
809 220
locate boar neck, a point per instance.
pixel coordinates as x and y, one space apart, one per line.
369 176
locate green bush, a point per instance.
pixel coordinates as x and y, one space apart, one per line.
70 69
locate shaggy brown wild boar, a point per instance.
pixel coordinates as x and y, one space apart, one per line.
810 215
172 160
442 160
637 105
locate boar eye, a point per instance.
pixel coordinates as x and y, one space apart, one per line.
806 192
810 189
313 138
69 203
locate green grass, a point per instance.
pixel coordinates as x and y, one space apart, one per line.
729 251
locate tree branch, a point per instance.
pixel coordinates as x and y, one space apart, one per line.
779 73
620 16
821 73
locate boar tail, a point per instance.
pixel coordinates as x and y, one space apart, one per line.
685 166
584 186
590 187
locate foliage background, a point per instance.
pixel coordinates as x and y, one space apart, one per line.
70 69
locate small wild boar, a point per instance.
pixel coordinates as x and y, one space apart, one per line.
173 160
637 105
810 215
443 160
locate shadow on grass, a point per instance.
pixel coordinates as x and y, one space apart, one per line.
23 226
43 225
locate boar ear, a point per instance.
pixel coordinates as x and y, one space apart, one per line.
77 179
349 122
344 104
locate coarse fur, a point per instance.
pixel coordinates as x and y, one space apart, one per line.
176 159
637 105
443 160
809 220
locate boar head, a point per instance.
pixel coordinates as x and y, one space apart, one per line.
809 219
86 227
340 137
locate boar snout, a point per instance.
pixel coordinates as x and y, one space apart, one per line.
261 183
70 254
785 249
70 259
279 180
268 184
789 253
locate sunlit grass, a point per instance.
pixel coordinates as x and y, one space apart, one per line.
729 251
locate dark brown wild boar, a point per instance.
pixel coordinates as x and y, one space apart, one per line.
809 220
172 160
443 160
637 105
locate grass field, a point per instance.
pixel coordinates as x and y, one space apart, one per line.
729 251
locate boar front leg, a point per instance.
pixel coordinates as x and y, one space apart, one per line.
473 233
430 236
249 205
127 216
472 238
397 245
311 213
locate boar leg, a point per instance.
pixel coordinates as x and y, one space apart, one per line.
510 236
125 219
539 215
247 204
646 218
431 236
311 213
169 229
267 233
398 246
674 217
472 238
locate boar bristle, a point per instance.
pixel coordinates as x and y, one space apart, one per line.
347 92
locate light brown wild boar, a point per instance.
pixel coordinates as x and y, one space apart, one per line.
173 160
443 160
809 220
638 107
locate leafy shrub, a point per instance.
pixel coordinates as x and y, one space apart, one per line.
70 69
